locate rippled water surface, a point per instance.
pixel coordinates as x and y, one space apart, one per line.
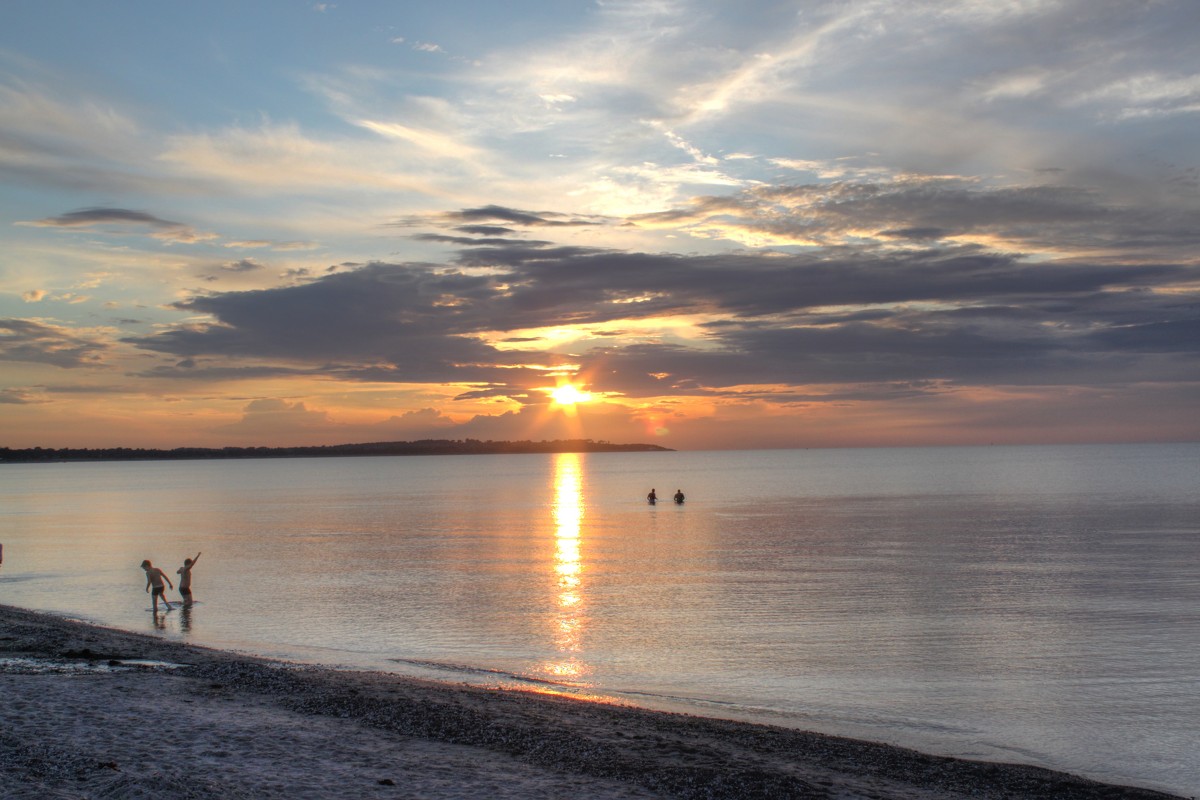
1039 604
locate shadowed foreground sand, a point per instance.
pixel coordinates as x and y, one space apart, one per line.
79 720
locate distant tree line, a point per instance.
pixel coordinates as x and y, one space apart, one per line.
423 447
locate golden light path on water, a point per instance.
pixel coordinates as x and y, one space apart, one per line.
568 568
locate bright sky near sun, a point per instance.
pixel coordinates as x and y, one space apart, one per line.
753 224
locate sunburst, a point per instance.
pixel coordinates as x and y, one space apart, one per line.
568 394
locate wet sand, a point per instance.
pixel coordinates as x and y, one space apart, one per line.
91 712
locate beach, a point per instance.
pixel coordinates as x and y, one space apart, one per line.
92 712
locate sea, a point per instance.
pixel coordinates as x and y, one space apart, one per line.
1037 605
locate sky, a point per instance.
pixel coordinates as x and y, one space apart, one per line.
723 225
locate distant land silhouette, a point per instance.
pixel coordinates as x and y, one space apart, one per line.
422 447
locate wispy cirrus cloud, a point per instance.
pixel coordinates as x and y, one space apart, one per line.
1147 94
64 139
431 142
281 157
255 244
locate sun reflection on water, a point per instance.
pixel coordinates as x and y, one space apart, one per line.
569 622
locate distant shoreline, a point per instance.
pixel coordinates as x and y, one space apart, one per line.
422 447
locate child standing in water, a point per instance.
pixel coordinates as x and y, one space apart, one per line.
155 577
185 579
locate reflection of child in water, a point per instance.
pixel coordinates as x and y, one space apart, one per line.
155 577
185 579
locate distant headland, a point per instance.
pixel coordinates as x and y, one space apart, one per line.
423 447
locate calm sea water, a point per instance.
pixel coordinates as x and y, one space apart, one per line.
1038 605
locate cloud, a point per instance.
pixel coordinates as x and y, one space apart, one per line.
55 136
296 245
281 421
479 242
1023 83
381 322
841 201
1148 94
124 219
282 157
1037 218
892 309
253 244
21 397
513 216
430 142
277 420
484 230
422 423
191 369
43 343
600 421
242 265
270 418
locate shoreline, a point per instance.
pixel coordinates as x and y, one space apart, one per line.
100 712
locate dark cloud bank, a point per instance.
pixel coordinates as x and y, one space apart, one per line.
916 318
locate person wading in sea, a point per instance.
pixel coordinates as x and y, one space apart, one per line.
155 577
185 579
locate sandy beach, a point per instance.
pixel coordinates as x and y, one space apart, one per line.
91 712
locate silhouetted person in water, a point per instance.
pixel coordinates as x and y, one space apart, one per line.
155 577
652 498
679 496
185 579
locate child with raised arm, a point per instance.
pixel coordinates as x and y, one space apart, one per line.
185 579
155 577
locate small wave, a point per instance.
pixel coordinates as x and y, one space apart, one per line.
1030 756
21 578
680 698
464 669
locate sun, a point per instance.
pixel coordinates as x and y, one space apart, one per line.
569 394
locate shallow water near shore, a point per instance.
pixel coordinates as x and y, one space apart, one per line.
1031 604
